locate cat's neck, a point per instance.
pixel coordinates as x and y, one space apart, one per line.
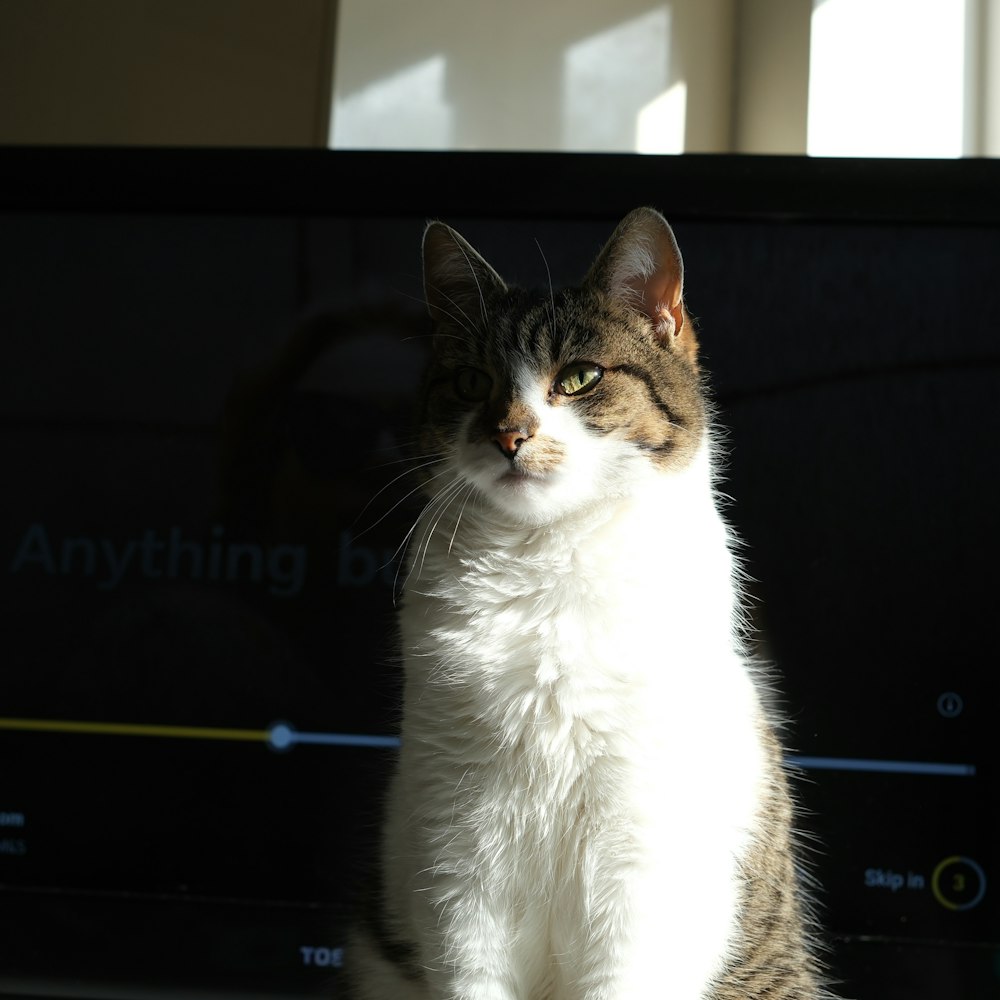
650 571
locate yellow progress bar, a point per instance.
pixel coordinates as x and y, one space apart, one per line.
134 729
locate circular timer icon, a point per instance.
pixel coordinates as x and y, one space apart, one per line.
958 883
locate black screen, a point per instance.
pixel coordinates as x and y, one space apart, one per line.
210 362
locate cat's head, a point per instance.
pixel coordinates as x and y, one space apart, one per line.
545 402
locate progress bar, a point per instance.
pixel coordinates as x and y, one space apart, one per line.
881 766
282 736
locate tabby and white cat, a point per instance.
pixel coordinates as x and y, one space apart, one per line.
589 802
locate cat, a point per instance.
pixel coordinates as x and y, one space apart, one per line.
589 802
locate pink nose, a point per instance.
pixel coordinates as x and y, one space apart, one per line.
509 442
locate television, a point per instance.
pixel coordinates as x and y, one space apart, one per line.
210 361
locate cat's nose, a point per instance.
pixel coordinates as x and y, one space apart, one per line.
509 442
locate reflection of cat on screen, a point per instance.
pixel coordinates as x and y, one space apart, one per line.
589 802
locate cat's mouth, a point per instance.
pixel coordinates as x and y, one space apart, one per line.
516 476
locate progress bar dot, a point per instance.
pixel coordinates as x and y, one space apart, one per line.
281 737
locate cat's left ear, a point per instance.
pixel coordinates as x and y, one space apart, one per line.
457 280
641 266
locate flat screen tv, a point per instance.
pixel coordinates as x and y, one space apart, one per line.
209 360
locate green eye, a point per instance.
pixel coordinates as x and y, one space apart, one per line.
578 378
472 385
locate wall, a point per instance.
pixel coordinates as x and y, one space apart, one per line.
771 76
696 76
148 72
650 75
989 108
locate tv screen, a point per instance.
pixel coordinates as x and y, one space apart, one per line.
210 363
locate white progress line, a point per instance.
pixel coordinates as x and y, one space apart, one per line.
283 737
881 766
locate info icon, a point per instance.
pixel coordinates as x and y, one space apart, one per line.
950 705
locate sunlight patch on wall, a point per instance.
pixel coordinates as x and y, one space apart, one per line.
613 78
406 110
887 78
661 123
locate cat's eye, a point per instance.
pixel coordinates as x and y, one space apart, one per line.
578 378
472 385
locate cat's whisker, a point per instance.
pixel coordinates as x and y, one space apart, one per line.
396 555
416 489
438 502
434 508
400 502
552 294
447 501
396 452
434 335
436 457
469 325
424 460
458 520
397 590
453 492
475 278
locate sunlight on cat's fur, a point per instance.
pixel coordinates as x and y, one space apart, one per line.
589 802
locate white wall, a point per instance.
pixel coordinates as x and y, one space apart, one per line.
520 74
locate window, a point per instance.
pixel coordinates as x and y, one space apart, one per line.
892 78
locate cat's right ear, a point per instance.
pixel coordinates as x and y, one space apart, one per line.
641 266
457 281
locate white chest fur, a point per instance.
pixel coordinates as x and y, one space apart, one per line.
582 756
